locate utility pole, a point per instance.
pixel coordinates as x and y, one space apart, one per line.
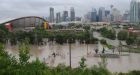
120 47
35 38
129 48
87 49
70 52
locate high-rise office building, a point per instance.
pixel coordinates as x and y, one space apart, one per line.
65 16
93 15
58 17
72 14
126 16
111 13
116 15
134 11
87 17
101 14
107 12
51 15
139 10
97 17
78 18
107 16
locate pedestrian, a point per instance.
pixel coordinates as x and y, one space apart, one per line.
113 50
54 54
103 51
96 51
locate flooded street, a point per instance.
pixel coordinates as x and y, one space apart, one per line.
112 42
44 53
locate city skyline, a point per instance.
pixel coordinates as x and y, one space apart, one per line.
41 7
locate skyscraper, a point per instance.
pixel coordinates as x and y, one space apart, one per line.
126 16
107 12
58 17
51 15
139 10
72 14
134 11
111 13
116 15
93 15
78 18
101 14
65 16
107 16
87 17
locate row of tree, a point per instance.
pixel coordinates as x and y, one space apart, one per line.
36 36
129 37
111 34
69 26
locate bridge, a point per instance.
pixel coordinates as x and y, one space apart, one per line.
24 23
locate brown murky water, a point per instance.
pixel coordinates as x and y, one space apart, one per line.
44 53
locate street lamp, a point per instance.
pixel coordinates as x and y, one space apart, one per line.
70 41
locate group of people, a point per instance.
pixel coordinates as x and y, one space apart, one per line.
103 51
96 51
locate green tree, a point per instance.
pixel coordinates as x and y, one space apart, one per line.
87 28
133 35
111 34
7 62
82 63
122 35
103 41
24 52
59 38
130 41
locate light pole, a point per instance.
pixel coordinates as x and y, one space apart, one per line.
70 41
70 54
120 47
87 49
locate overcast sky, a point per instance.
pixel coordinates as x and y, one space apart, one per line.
16 8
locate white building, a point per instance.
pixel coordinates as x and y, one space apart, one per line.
116 15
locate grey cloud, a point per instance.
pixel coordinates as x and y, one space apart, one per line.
17 8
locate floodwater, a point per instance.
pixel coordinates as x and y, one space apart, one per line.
44 53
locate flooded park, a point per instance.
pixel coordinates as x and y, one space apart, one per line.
125 63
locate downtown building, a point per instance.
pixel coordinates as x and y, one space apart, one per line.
107 16
72 14
134 12
93 15
126 16
139 10
51 18
87 17
58 17
65 16
101 14
116 15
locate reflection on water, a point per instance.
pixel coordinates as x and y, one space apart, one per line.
44 53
